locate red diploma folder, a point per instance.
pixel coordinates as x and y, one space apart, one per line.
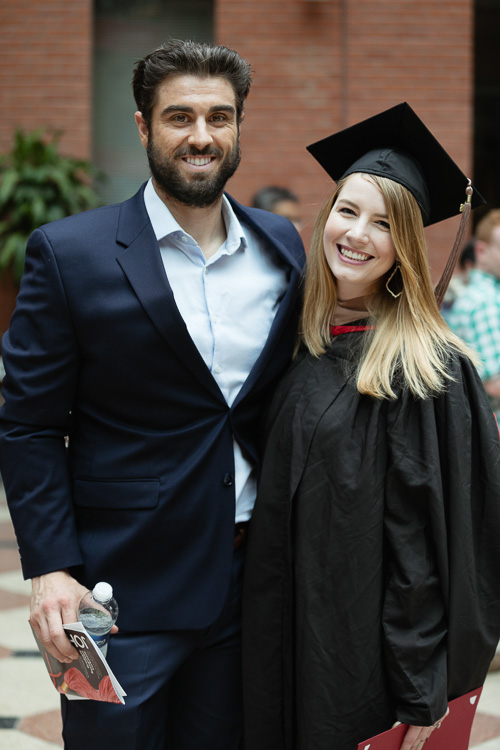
453 733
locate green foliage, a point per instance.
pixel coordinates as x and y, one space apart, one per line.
38 185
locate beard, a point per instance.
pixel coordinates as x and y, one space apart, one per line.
201 189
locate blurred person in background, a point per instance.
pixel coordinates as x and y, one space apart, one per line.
279 200
475 313
459 280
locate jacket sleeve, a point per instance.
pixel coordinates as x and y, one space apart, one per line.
470 460
414 610
41 359
441 608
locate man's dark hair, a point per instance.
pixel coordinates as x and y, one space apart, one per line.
189 58
267 197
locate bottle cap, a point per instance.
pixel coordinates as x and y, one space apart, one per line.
102 592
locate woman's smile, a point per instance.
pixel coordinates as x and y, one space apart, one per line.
353 255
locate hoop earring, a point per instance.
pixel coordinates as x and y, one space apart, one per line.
397 268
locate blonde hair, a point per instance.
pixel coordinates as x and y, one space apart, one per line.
410 344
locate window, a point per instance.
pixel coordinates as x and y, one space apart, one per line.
125 31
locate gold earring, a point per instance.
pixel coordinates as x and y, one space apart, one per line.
397 268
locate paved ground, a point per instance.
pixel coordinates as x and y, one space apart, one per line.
29 705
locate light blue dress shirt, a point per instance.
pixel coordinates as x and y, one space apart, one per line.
228 304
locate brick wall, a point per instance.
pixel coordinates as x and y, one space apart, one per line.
45 81
324 64
319 65
45 70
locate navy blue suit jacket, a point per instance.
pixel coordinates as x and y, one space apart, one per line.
143 497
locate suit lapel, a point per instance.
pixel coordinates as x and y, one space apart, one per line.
269 361
278 247
141 262
277 350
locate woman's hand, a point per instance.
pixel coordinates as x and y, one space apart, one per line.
416 737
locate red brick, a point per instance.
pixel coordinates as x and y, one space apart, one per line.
45 71
316 70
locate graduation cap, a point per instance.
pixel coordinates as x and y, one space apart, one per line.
396 144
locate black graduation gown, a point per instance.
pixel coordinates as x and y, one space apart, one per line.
372 582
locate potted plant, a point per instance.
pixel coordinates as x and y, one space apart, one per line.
38 185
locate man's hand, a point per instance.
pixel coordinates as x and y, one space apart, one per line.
54 600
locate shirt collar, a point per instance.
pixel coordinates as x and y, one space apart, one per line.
164 223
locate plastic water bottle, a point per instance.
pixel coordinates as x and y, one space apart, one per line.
98 612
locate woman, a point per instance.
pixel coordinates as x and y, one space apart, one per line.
372 590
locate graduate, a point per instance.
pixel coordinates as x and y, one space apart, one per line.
372 591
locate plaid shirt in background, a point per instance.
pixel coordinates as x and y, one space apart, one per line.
475 317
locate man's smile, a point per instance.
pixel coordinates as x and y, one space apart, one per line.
198 161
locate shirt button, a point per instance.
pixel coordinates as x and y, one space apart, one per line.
184 238
218 368
228 480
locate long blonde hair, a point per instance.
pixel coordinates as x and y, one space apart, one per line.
410 343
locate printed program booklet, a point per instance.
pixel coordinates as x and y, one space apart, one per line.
454 732
89 677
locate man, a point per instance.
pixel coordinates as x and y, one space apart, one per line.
150 333
280 201
475 314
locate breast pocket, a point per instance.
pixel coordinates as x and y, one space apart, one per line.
130 494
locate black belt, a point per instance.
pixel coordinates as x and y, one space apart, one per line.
240 534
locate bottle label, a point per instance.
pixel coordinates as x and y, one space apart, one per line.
100 640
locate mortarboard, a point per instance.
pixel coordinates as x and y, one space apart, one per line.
396 144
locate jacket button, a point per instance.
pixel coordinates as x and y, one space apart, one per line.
228 480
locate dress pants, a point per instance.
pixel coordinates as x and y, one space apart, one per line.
183 689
